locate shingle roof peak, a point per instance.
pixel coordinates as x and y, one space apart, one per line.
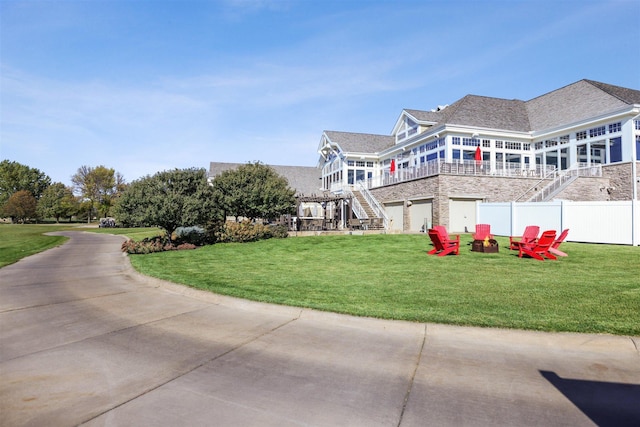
626 95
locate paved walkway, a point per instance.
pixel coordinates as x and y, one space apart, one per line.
84 340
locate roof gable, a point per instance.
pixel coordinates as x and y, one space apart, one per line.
420 117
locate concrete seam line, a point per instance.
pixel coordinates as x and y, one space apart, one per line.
413 376
188 371
71 301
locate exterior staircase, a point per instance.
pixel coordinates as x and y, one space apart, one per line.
367 213
559 182
549 191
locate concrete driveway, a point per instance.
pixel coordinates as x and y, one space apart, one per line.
84 340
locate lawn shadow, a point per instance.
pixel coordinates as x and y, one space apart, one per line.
606 404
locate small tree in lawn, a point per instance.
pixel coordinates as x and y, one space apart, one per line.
20 206
57 201
99 186
169 199
254 191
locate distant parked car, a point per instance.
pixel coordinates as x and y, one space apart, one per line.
107 223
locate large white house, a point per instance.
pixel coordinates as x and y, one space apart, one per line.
577 143
585 123
587 128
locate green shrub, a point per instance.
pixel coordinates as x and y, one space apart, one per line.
194 235
246 231
151 245
279 231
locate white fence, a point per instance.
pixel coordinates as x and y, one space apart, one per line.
591 222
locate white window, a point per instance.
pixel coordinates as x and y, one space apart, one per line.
615 127
600 130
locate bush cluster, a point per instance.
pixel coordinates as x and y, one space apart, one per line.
246 231
151 245
195 235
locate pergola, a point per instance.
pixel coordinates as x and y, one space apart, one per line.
333 216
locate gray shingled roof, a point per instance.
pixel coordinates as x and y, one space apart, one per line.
626 95
304 179
572 103
486 112
578 101
361 142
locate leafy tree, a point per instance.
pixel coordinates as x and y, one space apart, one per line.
254 191
169 199
99 186
57 201
15 177
20 206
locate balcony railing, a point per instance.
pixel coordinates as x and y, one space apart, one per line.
469 168
463 167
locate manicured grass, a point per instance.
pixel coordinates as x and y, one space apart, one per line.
132 233
21 240
595 289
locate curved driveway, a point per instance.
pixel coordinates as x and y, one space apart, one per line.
86 340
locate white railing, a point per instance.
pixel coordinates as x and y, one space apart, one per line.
463 167
356 207
373 202
554 187
560 179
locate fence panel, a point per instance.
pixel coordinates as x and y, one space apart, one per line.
496 214
599 222
547 215
591 222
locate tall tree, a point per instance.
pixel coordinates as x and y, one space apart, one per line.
254 191
20 206
99 186
15 177
169 199
57 201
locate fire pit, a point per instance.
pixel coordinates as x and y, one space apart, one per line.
486 246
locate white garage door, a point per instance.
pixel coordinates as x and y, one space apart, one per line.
394 212
462 213
421 215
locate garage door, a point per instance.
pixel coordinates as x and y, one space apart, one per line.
421 215
462 213
394 212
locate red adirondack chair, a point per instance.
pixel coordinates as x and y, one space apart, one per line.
554 246
529 236
442 247
540 249
482 232
444 234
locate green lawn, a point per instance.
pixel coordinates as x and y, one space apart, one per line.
595 289
21 240
18 241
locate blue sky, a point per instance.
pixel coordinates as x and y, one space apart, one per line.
143 86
